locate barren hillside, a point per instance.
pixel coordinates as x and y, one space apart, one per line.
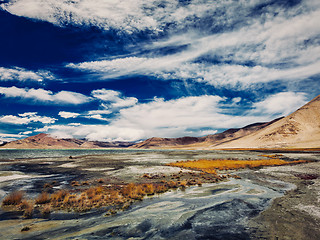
300 129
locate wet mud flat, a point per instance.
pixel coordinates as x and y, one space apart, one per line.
223 210
296 215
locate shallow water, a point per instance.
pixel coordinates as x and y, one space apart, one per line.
213 211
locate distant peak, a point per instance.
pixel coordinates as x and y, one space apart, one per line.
38 136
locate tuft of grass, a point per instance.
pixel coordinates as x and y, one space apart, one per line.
28 211
161 188
84 183
14 198
46 210
23 205
43 198
75 184
58 197
148 189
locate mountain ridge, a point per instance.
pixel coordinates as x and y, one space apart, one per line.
199 142
46 141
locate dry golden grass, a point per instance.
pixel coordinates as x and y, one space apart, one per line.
14 198
46 209
210 166
114 196
43 198
28 211
58 197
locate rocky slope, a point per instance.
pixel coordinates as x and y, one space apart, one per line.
43 140
300 129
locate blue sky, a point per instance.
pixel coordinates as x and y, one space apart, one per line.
129 70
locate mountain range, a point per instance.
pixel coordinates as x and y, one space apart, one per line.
44 141
299 130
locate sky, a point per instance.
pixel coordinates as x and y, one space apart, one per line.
128 70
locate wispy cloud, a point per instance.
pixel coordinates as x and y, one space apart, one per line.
282 103
113 99
281 45
125 16
26 118
244 43
44 96
233 45
21 74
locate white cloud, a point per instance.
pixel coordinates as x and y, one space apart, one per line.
64 114
45 96
104 112
26 118
125 16
193 116
21 74
27 114
277 41
26 132
96 116
105 95
278 46
93 114
282 103
112 99
6 137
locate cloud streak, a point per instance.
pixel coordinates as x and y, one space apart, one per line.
45 96
26 118
281 47
21 74
125 16
216 47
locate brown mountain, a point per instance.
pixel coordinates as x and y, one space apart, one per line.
45 141
202 142
300 129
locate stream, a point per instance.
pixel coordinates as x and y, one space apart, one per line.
213 211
